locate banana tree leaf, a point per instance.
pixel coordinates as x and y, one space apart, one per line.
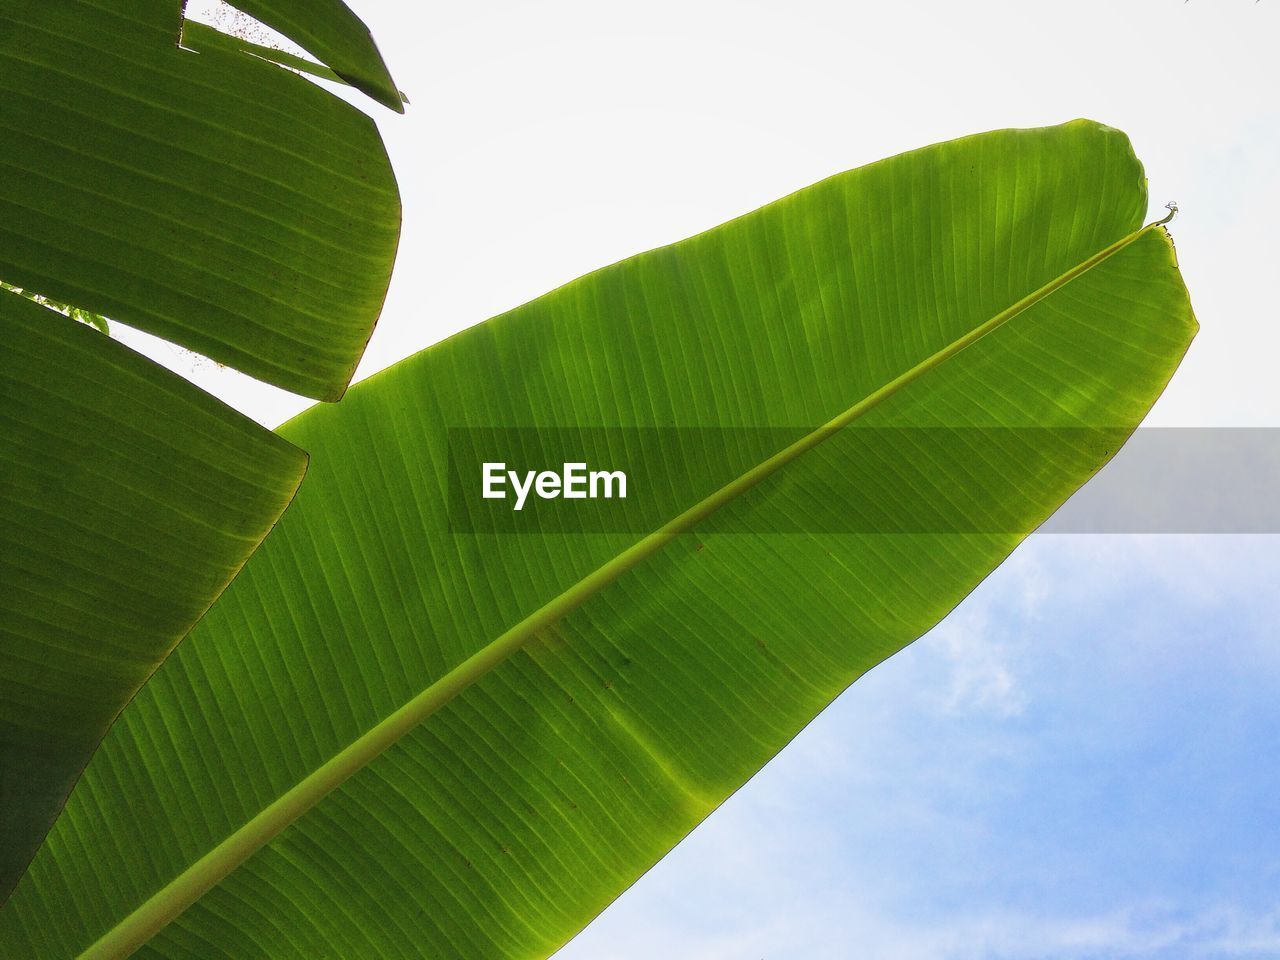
390 738
210 198
330 31
118 480
201 38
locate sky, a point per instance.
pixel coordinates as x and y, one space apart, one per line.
1080 763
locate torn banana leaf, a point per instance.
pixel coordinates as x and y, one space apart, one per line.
213 199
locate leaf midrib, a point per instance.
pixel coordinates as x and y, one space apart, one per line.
184 890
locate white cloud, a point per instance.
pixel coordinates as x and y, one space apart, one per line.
846 924
981 672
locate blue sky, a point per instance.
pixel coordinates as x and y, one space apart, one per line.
1080 762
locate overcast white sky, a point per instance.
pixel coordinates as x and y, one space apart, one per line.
547 139
981 795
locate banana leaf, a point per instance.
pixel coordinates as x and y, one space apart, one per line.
211 198
395 737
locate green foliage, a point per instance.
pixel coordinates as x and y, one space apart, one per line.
392 739
127 500
210 198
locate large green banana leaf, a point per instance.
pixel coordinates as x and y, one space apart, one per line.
393 739
209 197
